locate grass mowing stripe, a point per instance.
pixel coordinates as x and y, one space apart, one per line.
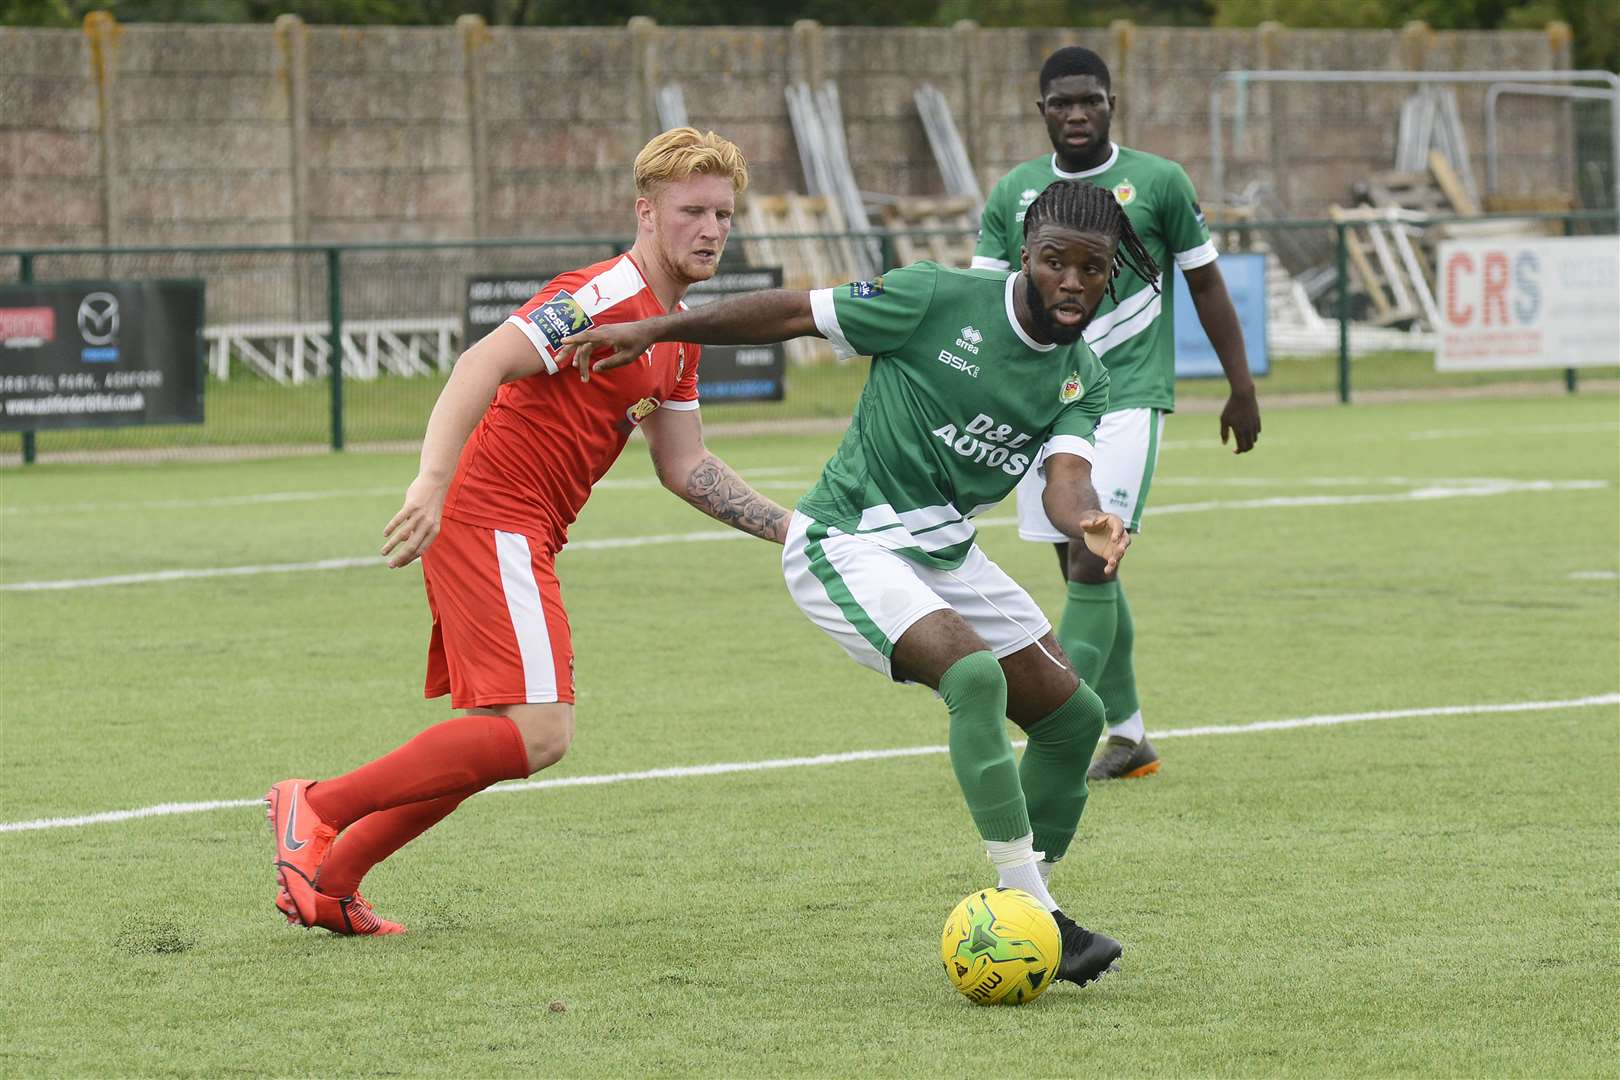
271 497
1422 435
682 772
1423 494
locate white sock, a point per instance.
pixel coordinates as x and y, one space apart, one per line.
1016 862
1130 728
1045 867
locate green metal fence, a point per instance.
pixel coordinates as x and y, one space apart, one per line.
281 390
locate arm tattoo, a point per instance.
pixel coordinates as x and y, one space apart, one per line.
719 492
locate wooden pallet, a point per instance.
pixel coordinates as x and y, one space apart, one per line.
951 230
1392 271
1446 178
771 229
1438 191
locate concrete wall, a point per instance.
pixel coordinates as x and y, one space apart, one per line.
195 134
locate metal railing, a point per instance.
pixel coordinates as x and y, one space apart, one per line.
317 290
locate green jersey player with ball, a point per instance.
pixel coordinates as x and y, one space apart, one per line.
979 378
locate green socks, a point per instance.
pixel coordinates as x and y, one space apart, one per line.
1117 683
1098 635
1086 630
975 691
1053 772
1052 776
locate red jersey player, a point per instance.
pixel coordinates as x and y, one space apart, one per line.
510 454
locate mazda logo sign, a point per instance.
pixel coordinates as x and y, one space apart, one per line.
98 318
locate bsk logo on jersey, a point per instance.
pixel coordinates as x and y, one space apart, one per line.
970 340
98 324
1072 389
560 317
951 360
865 290
1125 192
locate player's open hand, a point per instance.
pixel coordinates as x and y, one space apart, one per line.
409 532
1105 535
604 347
1241 418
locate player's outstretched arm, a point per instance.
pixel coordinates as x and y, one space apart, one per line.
503 355
1241 416
1071 504
687 468
758 318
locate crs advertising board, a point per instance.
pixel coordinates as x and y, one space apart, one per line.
1245 275
101 354
725 372
1543 302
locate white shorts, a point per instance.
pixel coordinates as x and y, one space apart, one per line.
1127 452
865 596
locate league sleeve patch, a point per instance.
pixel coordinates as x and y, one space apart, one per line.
865 290
561 316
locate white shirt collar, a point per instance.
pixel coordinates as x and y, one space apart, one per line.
1012 317
1113 156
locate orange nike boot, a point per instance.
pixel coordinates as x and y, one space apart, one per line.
351 916
302 841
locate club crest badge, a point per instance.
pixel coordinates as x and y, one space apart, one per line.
1125 192
1072 390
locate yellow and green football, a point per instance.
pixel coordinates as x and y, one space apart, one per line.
1000 947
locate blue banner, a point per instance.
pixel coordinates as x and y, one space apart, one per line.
1245 274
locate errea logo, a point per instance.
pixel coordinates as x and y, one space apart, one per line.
1024 199
970 340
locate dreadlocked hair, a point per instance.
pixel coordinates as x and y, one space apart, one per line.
1083 207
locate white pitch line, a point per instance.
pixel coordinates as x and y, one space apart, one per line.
1322 481
682 772
1525 429
262 498
1426 494
1594 575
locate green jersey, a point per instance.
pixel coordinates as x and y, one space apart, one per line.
1135 338
960 403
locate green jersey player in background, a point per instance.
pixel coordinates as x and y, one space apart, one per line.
978 378
1134 337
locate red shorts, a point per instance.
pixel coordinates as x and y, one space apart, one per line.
500 634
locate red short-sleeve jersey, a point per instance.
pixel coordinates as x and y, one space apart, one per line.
547 438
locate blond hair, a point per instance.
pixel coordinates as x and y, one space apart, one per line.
680 152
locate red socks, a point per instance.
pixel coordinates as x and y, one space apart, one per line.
376 836
462 755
